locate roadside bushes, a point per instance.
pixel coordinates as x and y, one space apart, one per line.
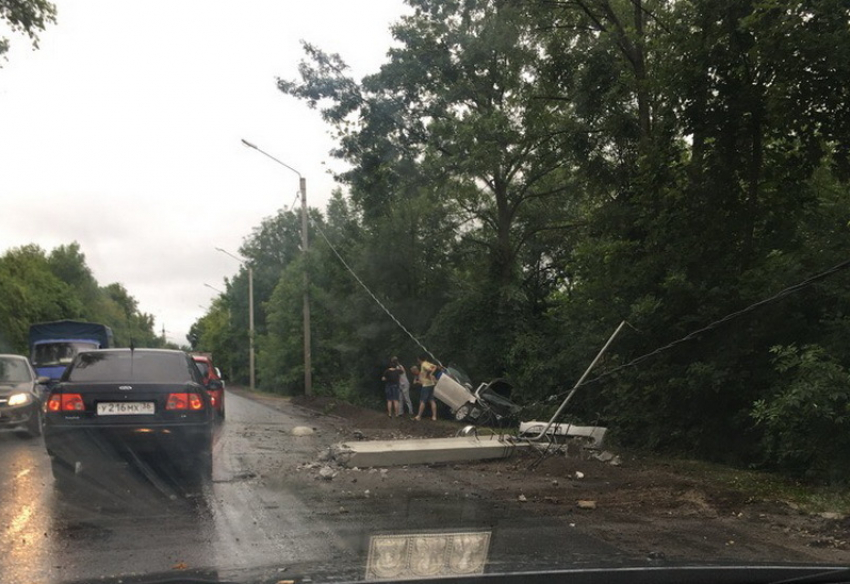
806 421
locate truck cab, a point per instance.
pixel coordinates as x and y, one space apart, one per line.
54 344
51 357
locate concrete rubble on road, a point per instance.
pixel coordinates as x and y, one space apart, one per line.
609 457
327 473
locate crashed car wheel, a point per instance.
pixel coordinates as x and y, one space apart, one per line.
462 412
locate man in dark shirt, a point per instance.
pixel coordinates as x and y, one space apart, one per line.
390 378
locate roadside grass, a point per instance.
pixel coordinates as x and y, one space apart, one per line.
759 486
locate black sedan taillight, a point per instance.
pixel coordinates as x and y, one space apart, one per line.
65 402
184 401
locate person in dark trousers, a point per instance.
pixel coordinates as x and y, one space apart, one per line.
390 378
427 381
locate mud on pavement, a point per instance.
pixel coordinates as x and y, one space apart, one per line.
644 507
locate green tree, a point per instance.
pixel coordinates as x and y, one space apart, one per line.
39 287
29 17
453 119
30 292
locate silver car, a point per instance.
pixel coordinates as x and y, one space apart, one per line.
489 404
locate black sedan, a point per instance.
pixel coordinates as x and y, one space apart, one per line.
124 404
21 393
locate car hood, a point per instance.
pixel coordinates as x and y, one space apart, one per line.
692 574
7 389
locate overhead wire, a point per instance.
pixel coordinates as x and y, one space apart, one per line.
552 448
729 317
374 297
634 362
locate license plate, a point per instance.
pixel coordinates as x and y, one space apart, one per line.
124 408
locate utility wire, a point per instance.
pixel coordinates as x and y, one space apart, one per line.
691 336
375 298
634 362
732 316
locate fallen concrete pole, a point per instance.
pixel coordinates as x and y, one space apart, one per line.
427 451
592 435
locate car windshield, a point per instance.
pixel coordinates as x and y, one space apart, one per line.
408 290
14 371
58 353
138 366
203 367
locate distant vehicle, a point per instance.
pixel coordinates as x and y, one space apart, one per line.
120 404
21 394
54 344
211 373
489 404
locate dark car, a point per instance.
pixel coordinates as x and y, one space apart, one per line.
120 404
21 395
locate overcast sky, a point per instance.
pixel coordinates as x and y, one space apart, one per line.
122 132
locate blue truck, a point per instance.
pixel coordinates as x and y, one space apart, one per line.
54 344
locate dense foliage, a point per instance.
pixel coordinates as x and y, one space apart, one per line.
28 17
36 286
524 175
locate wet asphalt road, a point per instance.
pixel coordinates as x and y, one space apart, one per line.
251 523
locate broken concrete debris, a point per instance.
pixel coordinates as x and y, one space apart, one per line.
586 504
302 431
609 457
327 473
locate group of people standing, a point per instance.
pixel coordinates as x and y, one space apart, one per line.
397 387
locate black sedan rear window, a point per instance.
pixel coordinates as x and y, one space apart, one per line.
138 366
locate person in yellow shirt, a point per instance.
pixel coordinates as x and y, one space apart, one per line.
427 381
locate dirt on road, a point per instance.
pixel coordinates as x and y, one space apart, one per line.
658 509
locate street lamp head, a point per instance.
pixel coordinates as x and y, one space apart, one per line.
248 144
239 259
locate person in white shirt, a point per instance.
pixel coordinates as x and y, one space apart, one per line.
404 389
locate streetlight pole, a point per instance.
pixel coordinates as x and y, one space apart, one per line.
247 264
302 185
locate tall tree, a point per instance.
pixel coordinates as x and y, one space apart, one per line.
29 17
453 114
